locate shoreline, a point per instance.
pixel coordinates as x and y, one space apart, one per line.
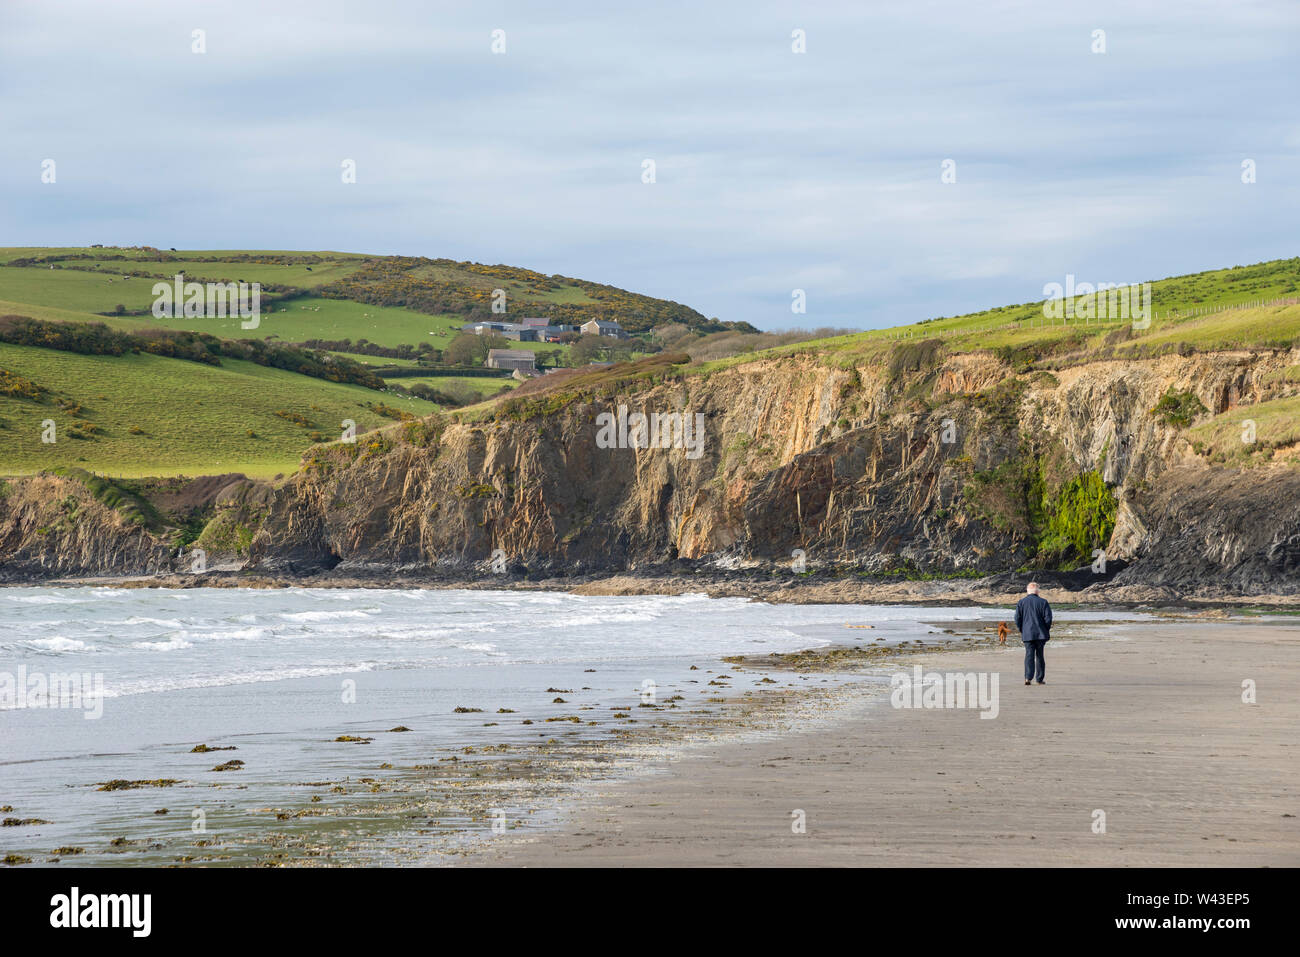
1145 726
424 804
992 591
426 798
411 799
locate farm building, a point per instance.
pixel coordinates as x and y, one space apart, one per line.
603 327
511 359
527 331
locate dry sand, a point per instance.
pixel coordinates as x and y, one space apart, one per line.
1149 728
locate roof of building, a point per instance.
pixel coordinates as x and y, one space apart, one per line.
511 354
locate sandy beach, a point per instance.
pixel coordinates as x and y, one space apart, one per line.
1148 726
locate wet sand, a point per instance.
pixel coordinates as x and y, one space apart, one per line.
1149 727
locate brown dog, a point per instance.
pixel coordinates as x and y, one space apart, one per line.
1002 633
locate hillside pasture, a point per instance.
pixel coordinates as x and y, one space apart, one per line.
159 416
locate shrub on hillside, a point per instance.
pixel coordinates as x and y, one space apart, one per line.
1179 409
18 387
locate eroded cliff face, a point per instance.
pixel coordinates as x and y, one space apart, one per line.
57 526
52 527
915 468
860 467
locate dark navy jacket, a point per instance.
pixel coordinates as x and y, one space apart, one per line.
1034 618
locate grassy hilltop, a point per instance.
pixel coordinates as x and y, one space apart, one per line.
387 299
143 411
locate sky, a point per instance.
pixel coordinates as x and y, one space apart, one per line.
774 170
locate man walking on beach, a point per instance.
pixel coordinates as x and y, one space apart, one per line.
1034 620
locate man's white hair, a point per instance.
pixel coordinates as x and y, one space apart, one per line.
1032 588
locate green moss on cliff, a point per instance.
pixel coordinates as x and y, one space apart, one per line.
1062 519
1076 520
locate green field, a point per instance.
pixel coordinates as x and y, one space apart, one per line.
69 296
75 295
483 385
99 284
194 419
298 320
375 361
54 314
74 290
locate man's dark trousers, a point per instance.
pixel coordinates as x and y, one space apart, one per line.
1034 661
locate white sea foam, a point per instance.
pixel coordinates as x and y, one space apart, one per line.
60 643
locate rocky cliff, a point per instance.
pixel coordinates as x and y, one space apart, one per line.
920 464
